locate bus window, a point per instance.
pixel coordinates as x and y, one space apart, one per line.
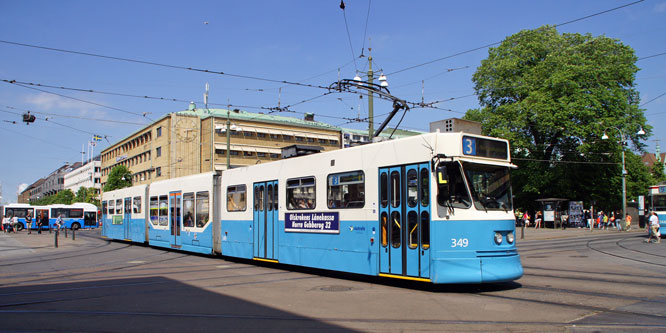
154 211
301 193
202 209
164 211
236 201
188 210
75 213
136 204
119 206
346 190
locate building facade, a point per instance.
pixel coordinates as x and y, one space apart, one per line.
87 175
53 183
195 141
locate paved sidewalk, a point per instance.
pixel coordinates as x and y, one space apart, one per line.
20 242
548 233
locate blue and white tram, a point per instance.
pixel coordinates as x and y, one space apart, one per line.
123 214
435 208
656 202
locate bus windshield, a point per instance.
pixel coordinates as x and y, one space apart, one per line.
490 186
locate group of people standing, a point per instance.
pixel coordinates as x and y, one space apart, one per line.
11 223
602 220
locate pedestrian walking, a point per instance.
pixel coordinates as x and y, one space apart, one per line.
537 220
28 222
653 229
627 220
59 222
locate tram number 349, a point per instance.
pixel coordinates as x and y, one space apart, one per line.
460 242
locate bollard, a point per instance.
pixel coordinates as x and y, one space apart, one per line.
522 231
56 238
73 234
65 232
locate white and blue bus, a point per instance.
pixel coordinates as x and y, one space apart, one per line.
434 208
75 216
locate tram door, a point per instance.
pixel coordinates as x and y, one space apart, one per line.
175 203
127 217
265 225
404 220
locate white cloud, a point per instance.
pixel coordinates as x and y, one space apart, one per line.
660 7
46 101
21 188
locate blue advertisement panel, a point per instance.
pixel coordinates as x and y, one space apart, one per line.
325 223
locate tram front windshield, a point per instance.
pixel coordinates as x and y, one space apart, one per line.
659 202
490 186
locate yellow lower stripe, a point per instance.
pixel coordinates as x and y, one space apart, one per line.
266 260
404 277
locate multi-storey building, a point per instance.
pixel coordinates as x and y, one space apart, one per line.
87 175
195 141
53 183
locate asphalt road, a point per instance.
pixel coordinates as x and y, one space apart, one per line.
574 280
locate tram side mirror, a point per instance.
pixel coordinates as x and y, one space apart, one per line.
442 184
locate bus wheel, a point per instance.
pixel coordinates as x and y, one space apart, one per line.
75 226
19 226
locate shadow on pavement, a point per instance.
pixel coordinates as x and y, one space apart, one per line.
140 305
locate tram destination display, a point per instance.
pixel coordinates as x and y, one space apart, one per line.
484 147
325 223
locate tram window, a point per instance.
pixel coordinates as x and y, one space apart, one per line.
346 190
260 198
119 206
236 201
112 209
301 193
275 197
425 230
154 210
202 209
425 187
384 229
269 199
396 227
383 189
188 209
412 188
164 210
136 205
412 229
395 189
455 192
128 205
105 207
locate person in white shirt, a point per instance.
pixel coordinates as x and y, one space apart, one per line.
653 229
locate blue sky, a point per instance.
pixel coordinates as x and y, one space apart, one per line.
297 41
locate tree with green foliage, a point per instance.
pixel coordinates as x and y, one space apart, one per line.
87 194
658 174
119 177
553 96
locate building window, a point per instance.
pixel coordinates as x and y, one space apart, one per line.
333 142
234 153
159 131
300 138
221 152
275 155
261 154
275 136
311 140
158 151
247 153
246 133
287 137
158 171
261 135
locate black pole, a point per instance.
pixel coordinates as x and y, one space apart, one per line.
65 232
56 238
73 234
522 231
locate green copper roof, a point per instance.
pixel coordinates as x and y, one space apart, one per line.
260 117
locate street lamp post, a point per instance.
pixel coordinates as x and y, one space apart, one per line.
623 140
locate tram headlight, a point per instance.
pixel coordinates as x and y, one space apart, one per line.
498 238
510 238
